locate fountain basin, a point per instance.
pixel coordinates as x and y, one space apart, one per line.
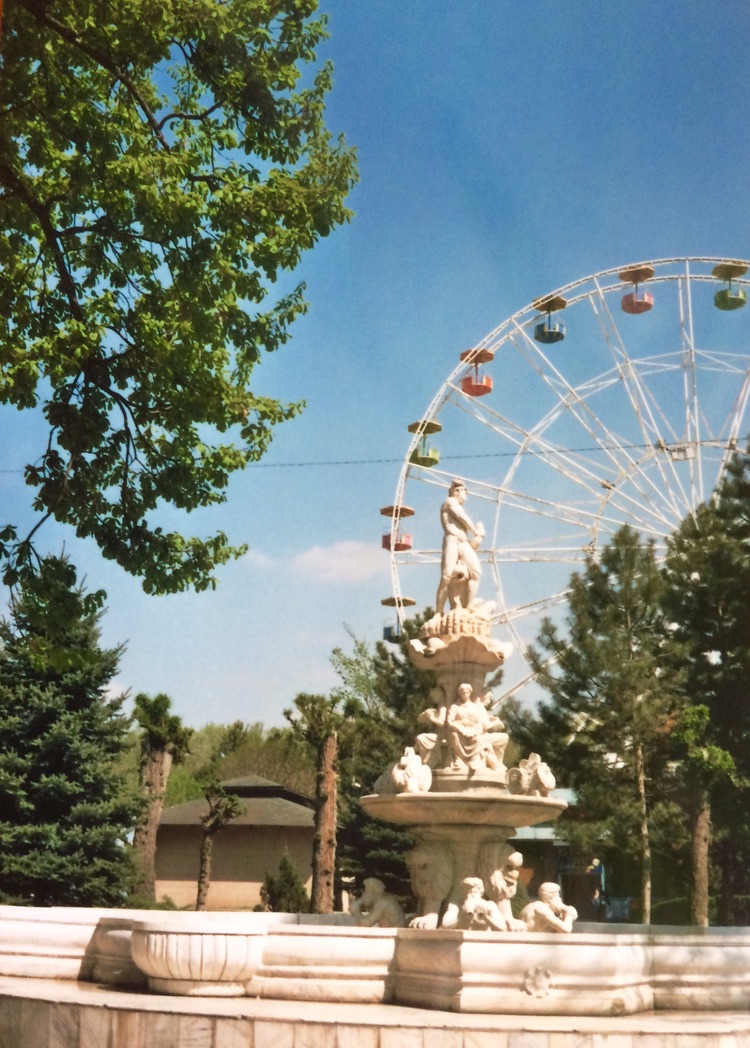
485 806
198 954
315 963
523 974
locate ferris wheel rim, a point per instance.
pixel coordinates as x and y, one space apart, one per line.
598 287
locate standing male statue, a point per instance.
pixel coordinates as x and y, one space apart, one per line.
459 561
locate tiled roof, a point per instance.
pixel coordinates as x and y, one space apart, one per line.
264 803
257 811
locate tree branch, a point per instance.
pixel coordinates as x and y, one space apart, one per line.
75 40
16 184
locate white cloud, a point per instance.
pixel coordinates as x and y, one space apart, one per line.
343 562
259 560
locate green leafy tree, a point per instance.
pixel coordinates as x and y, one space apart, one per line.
65 810
161 164
164 742
277 754
615 690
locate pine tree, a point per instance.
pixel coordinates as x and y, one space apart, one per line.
615 690
65 812
382 693
708 575
284 893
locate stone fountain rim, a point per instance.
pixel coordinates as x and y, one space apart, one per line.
463 808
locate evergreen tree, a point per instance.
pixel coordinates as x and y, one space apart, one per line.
382 693
708 576
284 893
615 691
65 811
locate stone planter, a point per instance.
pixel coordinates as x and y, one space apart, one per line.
198 954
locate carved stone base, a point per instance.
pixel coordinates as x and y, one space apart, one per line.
485 783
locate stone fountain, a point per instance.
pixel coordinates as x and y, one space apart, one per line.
463 951
452 789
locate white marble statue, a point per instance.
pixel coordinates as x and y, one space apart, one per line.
549 913
532 777
410 774
466 736
500 869
459 566
477 913
375 907
474 735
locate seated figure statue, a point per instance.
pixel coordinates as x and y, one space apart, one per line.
466 735
375 907
500 869
474 734
549 913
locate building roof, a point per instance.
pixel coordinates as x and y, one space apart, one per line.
264 803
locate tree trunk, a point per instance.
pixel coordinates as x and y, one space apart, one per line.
645 837
154 778
701 839
324 846
204 870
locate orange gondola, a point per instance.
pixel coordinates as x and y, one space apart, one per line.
637 301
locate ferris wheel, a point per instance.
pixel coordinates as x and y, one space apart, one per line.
617 399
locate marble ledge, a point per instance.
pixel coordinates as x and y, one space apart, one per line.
48 1014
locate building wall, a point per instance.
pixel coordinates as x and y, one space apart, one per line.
242 856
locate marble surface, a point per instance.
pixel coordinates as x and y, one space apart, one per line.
47 1014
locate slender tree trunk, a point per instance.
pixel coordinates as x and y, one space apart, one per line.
324 846
701 834
645 837
154 777
204 870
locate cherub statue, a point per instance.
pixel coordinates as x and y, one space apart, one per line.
532 777
410 774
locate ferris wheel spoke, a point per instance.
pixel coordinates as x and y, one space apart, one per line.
631 422
574 400
656 427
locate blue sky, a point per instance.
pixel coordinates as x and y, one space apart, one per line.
506 148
